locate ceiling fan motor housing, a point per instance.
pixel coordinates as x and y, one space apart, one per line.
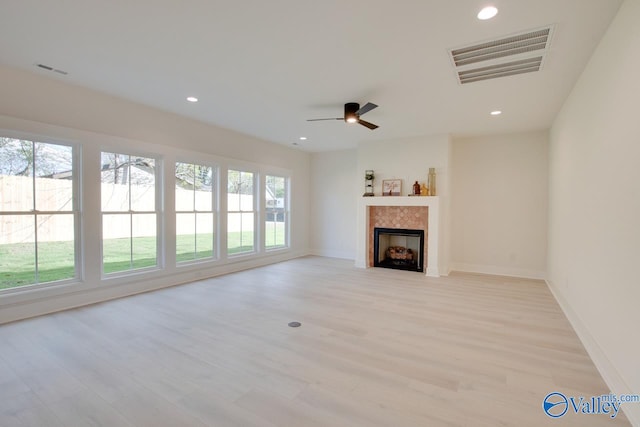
350 112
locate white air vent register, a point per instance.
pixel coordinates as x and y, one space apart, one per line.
516 54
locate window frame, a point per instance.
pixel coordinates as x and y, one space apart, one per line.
215 210
158 211
286 207
76 212
256 210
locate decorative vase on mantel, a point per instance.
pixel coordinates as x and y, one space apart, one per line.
432 181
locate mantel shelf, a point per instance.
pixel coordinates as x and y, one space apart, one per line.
400 200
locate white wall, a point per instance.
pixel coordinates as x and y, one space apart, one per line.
49 109
32 97
594 212
499 205
334 200
407 159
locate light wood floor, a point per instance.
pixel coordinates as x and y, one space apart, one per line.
376 347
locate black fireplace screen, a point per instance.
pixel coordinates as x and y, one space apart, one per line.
398 248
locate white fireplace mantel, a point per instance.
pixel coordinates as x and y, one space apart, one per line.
433 235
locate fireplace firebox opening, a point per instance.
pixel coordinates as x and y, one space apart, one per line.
398 248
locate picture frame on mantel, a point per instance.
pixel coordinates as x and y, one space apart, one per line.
391 187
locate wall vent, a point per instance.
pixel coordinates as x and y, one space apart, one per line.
49 68
508 56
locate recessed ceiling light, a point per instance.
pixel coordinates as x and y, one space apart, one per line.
303 138
192 99
487 13
496 113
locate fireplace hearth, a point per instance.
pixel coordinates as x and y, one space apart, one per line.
398 248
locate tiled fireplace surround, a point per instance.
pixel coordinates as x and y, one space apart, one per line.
409 217
418 213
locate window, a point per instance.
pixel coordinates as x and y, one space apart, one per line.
129 212
276 212
38 213
241 213
195 212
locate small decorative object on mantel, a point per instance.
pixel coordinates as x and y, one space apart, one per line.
368 183
391 187
432 181
424 190
416 189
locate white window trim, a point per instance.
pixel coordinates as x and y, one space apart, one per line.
159 212
215 210
76 160
256 211
287 210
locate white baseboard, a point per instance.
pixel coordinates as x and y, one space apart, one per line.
607 370
333 254
497 270
433 272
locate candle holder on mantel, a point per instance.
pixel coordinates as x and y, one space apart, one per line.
368 183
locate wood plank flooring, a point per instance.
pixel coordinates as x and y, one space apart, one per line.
376 347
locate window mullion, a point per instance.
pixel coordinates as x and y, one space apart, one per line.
195 232
130 239
129 171
195 215
34 207
33 175
35 246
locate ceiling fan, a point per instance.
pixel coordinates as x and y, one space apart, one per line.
352 113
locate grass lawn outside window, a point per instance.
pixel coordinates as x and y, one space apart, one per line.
18 257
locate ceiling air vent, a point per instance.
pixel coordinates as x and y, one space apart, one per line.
517 54
500 70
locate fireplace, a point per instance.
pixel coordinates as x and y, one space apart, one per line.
400 212
398 248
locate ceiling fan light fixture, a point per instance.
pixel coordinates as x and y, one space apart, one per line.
352 113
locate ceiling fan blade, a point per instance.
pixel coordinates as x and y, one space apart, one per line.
366 108
367 124
319 120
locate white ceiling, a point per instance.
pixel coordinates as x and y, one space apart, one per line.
264 67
